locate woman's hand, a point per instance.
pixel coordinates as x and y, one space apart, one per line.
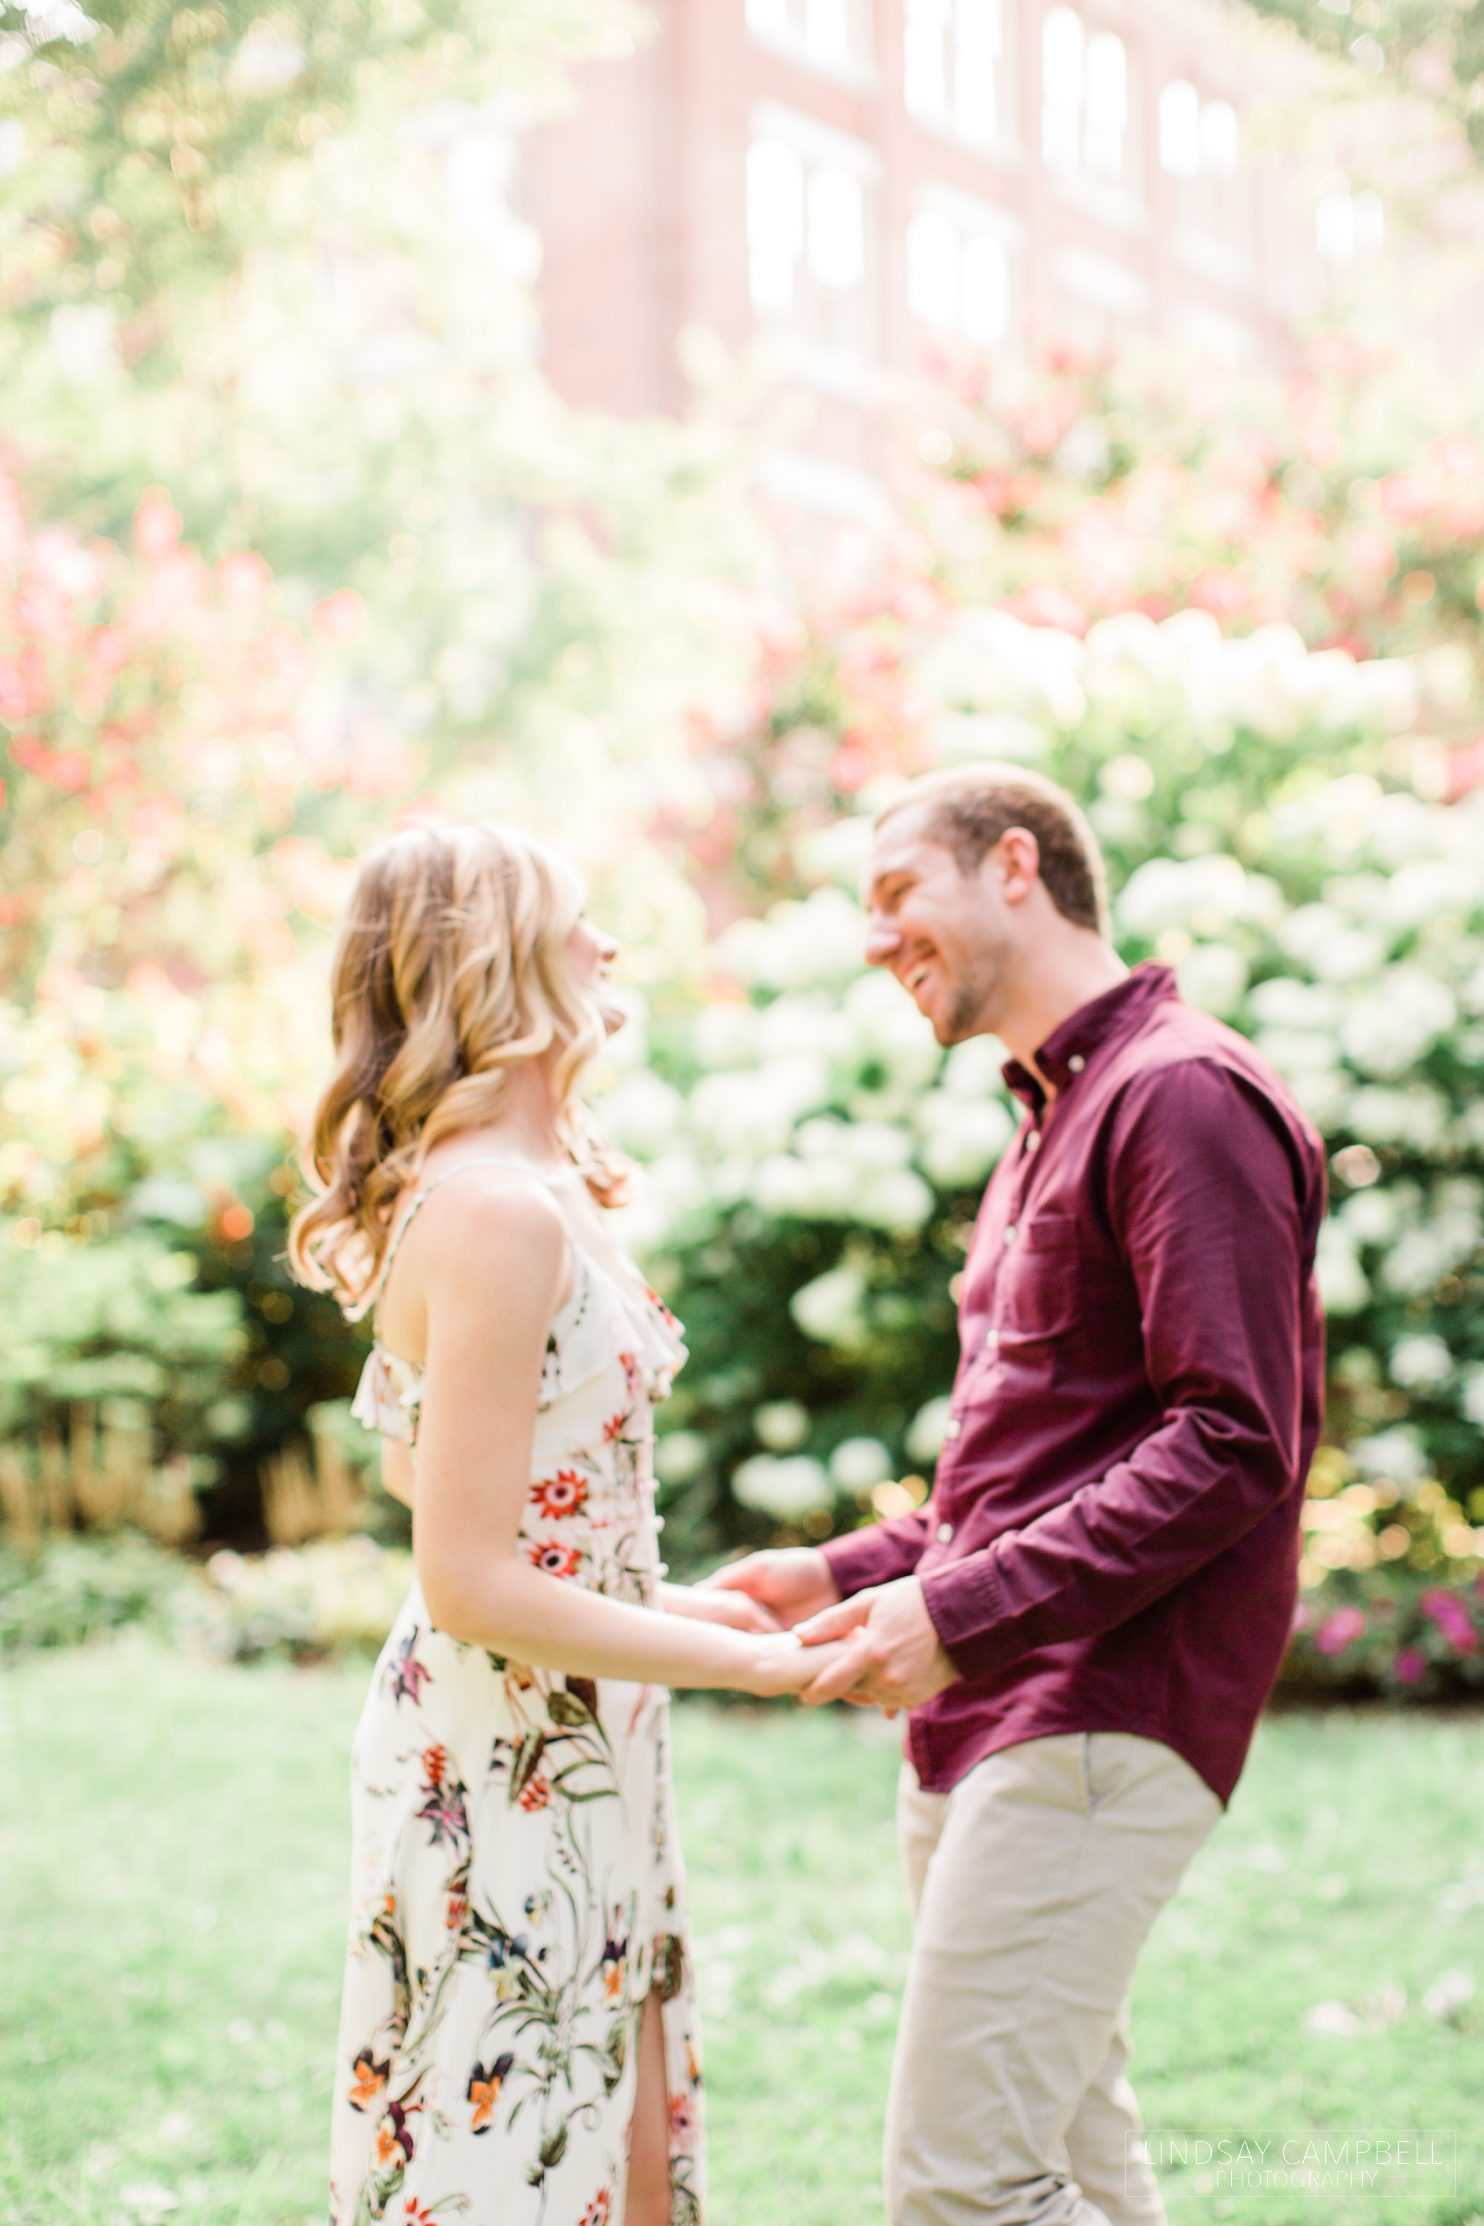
781 1665
791 1582
734 1609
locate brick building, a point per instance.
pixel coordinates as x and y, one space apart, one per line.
860 183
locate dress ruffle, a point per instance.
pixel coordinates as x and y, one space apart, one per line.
607 1311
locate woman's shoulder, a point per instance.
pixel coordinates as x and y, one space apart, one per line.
485 1231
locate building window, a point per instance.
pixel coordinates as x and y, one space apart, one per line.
810 209
833 35
954 66
1199 144
959 275
1197 139
1349 226
1084 97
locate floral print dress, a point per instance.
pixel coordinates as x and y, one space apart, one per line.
517 1888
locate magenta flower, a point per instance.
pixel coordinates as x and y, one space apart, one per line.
1449 1615
1410 1667
1337 1630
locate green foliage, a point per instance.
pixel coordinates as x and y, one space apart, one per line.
233 1958
120 1322
1432 50
83 1589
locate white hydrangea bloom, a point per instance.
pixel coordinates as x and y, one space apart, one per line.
972 1069
1214 977
929 1427
1420 1363
1286 1003
679 1455
781 1424
1373 1216
969 737
893 1199
1416 1116
642 1113
1395 1454
858 1463
838 853
961 1140
862 1144
886 1026
726 1035
785 1489
793 1023
1130 638
1387 1029
1420 1258
790 1189
1342 1280
831 1309
1471 1404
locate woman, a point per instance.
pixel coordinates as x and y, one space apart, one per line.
517 2040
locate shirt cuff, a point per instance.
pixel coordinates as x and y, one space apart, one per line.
862 1558
969 1611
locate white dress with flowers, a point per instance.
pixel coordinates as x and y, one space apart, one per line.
517 1888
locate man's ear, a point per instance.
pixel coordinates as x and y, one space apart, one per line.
1018 855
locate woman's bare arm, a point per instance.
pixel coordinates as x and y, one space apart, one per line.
494 1275
396 1470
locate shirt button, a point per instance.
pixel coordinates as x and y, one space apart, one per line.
1033 1141
945 1533
952 1427
991 1340
1009 1236
1076 1063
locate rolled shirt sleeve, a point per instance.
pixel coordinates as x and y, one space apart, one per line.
879 1554
1208 1208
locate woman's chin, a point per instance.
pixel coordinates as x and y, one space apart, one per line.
613 1018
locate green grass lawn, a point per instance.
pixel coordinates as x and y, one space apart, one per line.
173 1857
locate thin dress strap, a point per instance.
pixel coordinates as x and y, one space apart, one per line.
486 1159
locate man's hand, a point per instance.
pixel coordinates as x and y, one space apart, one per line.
894 1657
791 1583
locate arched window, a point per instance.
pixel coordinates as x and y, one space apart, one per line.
775 222
1219 144
1180 129
837 227
1107 104
932 268
1063 70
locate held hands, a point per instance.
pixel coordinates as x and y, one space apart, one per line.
892 1656
788 1585
780 1665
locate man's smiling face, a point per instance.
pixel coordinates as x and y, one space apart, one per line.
946 935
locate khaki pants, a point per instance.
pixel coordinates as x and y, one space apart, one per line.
1034 1884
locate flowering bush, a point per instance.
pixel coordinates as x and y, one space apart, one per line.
331 1597
816 1161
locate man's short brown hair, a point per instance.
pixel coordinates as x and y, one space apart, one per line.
968 808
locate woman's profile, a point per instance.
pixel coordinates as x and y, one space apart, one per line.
518 2036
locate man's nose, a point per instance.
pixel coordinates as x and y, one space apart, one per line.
882 942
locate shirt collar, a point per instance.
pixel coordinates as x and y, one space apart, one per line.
1118 1013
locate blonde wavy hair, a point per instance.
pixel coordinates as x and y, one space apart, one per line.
450 968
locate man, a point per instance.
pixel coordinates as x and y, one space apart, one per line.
1087 1617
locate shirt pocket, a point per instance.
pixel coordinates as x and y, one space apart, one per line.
1044 1297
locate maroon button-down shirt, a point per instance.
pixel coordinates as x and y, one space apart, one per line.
1112 1538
